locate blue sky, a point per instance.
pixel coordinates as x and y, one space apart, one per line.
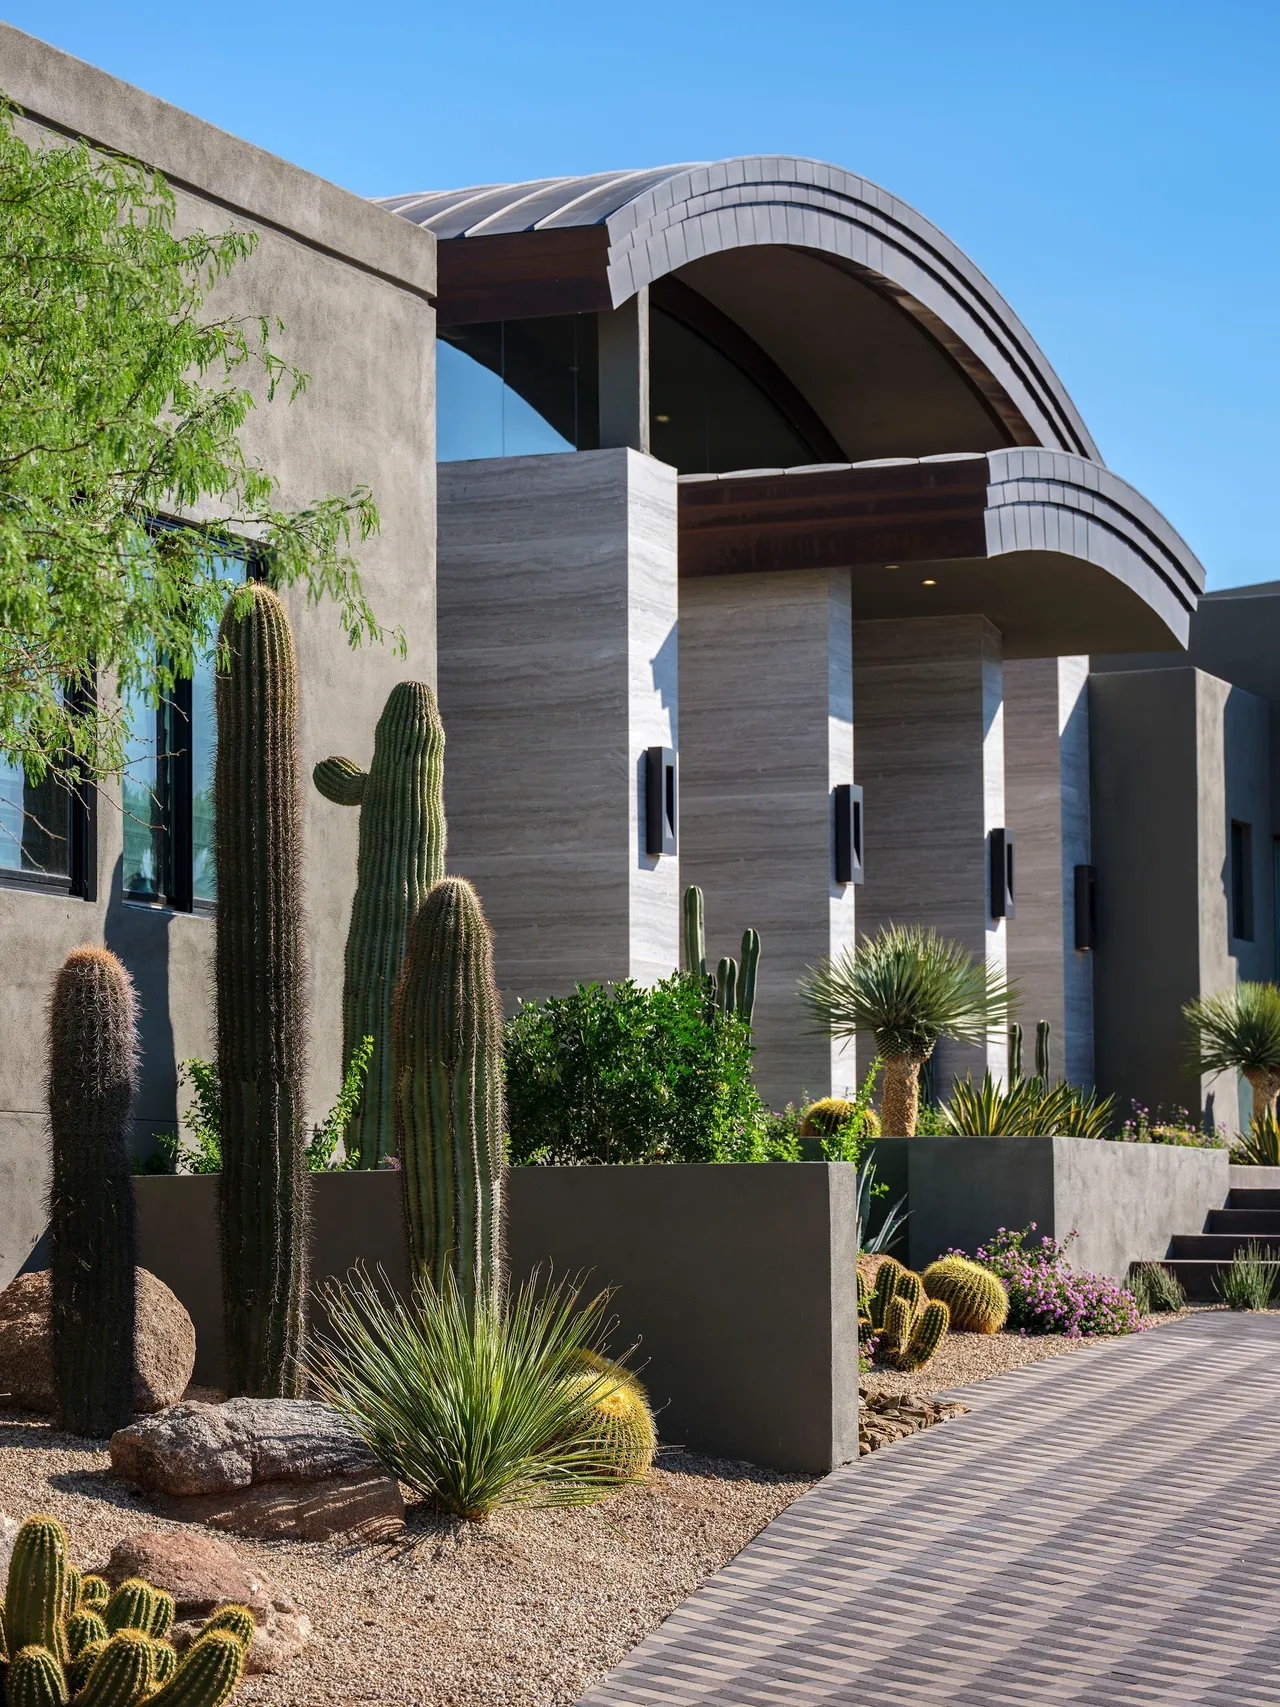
1112 165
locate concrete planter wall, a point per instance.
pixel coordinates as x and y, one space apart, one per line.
737 1281
1126 1200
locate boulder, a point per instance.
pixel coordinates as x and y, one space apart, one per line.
269 1467
202 1574
9 1527
164 1344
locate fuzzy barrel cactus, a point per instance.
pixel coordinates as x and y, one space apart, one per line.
976 1298
93 1051
400 855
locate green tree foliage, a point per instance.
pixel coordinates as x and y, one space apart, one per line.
1239 1031
627 1074
123 403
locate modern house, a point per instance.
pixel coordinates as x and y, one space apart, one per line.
760 548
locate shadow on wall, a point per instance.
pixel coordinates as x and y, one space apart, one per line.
140 936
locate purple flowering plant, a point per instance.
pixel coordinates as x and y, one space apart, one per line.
1048 1296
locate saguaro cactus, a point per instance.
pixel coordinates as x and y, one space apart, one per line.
732 988
1043 1058
401 854
447 1048
260 976
93 1048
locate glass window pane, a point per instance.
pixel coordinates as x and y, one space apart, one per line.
204 885
517 388
144 836
33 823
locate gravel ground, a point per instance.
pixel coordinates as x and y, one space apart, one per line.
526 1610
977 1357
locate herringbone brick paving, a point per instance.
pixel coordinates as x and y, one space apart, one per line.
1103 1530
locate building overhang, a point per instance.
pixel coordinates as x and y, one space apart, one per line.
1054 550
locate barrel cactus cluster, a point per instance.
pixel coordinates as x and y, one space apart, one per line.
976 1298
731 989
66 1640
93 1051
908 1327
400 855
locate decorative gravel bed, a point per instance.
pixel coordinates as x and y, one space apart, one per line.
526 1610
963 1358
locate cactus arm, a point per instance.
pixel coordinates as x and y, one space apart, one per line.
727 985
122 1674
207 1673
35 1679
926 1336
750 970
340 780
1015 1053
1043 1057
695 936
37 1587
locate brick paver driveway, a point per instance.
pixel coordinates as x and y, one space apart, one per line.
1103 1529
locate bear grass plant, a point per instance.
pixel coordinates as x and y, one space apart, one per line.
1156 1291
1250 1282
477 1407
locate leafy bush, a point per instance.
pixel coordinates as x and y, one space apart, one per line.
1250 1282
1048 1296
1155 1291
621 1073
1026 1109
204 1118
848 1139
474 1406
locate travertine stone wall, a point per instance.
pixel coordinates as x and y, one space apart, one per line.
1046 750
766 732
929 753
557 646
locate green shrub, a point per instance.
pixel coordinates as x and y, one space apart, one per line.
474 1406
1156 1292
627 1074
1250 1282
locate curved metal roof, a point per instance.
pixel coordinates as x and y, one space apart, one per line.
660 219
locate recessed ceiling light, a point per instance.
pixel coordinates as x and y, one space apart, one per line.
662 419
929 583
891 565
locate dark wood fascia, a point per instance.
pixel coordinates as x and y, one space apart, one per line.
910 513
523 275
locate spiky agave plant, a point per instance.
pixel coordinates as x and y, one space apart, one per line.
906 987
1239 1031
1024 1109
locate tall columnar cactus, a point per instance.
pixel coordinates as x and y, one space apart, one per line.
1015 1053
60 1652
446 1032
977 1298
261 982
93 1049
733 988
401 854
1043 1060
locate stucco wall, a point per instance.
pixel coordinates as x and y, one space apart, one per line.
353 286
735 1283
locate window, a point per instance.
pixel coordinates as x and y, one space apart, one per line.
47 833
709 415
168 789
1241 881
517 388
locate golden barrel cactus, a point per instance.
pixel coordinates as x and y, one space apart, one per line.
976 1298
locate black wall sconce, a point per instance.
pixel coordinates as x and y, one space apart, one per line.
847 797
659 800
1086 907
1002 891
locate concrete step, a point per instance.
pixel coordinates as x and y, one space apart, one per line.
1215 1247
1252 1197
1197 1278
1250 1223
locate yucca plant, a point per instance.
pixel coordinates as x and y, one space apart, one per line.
1025 1109
1250 1282
906 987
1155 1290
1239 1032
473 1405
1259 1147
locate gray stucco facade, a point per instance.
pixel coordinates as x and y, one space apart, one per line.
350 283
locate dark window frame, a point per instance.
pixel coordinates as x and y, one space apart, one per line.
80 880
1241 895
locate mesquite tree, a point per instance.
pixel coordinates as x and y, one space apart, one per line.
261 1010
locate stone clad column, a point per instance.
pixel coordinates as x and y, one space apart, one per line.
929 754
765 733
1046 740
557 644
